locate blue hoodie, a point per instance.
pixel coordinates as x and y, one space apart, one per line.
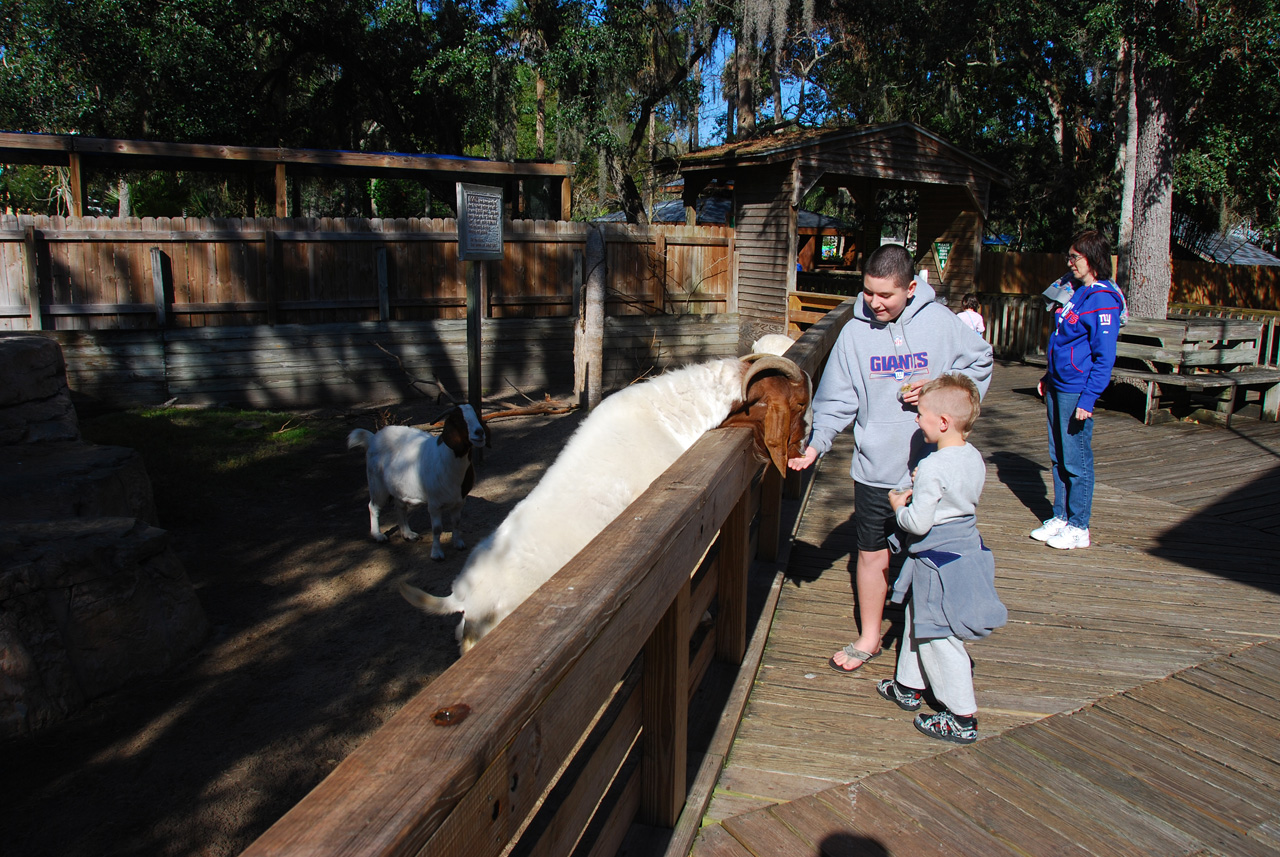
866 370
1082 347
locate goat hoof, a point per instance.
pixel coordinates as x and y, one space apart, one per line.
438 556
410 537
381 537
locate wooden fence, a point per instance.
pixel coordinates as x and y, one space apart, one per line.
569 721
294 313
59 273
294 365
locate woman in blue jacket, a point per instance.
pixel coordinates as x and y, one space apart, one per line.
1082 350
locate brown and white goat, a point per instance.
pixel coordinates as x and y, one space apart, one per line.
622 446
408 467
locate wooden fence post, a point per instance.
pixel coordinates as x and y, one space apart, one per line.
270 273
33 278
666 716
159 293
384 296
770 514
731 577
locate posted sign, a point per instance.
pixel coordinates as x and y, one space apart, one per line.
479 222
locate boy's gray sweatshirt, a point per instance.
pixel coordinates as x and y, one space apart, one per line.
868 367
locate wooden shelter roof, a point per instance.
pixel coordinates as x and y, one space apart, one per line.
79 154
57 149
804 143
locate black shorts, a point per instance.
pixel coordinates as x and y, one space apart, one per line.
873 517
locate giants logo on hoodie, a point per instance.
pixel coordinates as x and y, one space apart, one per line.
899 365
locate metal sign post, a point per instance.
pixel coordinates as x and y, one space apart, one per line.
479 239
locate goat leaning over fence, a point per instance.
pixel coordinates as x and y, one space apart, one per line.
625 444
408 467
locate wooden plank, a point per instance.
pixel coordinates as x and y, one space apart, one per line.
766 833
665 714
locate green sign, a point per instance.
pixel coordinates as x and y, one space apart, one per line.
941 250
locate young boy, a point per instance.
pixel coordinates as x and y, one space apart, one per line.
898 337
949 572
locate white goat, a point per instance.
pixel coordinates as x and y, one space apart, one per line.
626 443
408 467
772 343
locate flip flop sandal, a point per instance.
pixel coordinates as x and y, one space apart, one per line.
859 655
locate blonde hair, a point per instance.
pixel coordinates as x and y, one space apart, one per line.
956 396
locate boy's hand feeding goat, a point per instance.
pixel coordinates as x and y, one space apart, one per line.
626 443
408 467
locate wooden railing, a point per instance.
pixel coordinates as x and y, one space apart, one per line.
569 721
1017 325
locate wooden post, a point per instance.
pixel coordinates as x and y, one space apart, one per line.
770 514
282 192
566 198
475 307
270 273
732 565
159 292
666 716
77 184
384 296
33 279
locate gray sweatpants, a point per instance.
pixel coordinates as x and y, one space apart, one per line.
941 664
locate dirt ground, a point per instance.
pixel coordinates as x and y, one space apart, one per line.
311 650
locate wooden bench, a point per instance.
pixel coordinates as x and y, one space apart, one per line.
1212 360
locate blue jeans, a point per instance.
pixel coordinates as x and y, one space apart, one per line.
1071 458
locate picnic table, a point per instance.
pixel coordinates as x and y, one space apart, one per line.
1211 361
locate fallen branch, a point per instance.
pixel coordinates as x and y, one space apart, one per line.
547 407
415 382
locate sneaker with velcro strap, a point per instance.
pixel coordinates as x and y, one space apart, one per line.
906 698
945 726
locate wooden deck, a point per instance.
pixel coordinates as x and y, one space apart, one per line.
1131 705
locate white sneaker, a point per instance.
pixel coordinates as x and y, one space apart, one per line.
1070 537
1048 529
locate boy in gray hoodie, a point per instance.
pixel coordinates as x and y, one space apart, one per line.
898 339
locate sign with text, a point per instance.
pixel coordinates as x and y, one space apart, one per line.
479 222
941 251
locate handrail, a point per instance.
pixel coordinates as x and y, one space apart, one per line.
461 769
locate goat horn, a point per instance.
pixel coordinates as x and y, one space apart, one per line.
765 362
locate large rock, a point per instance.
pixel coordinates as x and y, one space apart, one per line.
91 595
35 402
45 481
85 606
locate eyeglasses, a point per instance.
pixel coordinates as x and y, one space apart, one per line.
1072 258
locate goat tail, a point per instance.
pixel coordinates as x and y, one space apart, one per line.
428 602
359 438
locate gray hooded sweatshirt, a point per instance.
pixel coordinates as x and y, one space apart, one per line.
866 371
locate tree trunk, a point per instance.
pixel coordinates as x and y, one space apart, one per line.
588 339
695 139
122 197
1126 123
1150 268
746 91
775 78
540 131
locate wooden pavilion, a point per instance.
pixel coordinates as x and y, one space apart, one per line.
771 176
523 182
